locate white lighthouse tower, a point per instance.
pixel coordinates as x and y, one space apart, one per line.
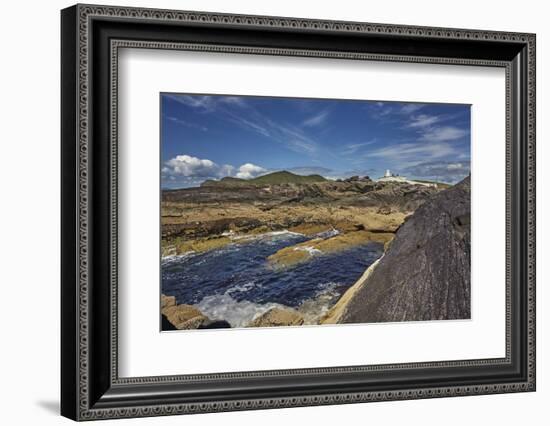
388 173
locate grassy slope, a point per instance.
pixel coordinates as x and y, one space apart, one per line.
269 179
286 177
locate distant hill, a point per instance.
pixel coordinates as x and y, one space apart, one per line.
285 177
275 178
226 181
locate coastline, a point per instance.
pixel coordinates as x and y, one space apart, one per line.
312 311
194 224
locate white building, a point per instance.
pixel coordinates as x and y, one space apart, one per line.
391 177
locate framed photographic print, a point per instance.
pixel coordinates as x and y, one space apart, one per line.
263 212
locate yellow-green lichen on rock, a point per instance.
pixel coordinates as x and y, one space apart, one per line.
278 317
167 301
292 255
201 245
184 317
309 229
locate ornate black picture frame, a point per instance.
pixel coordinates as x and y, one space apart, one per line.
91 387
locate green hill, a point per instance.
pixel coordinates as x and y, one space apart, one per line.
285 177
275 178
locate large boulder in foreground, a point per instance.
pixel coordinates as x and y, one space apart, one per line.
425 273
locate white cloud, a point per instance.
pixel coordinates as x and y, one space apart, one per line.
295 138
389 111
233 100
248 125
423 120
442 134
316 120
186 165
441 170
226 170
237 110
187 123
207 103
411 108
455 166
249 171
407 150
354 147
202 102
186 170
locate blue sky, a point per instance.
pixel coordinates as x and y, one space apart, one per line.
212 136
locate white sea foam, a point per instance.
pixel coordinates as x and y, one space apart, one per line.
264 236
284 232
243 288
165 260
314 308
241 313
237 313
327 234
312 251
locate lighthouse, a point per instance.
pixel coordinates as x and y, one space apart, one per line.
391 177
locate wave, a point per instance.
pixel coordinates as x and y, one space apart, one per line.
312 251
166 260
314 308
326 234
277 235
283 232
237 313
264 235
234 282
243 288
240 313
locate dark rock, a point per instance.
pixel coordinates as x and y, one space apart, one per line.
425 274
214 324
401 196
166 325
397 196
212 227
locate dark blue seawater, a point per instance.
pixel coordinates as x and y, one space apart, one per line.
236 282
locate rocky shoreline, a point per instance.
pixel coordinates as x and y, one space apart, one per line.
188 317
302 252
185 317
215 215
417 225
